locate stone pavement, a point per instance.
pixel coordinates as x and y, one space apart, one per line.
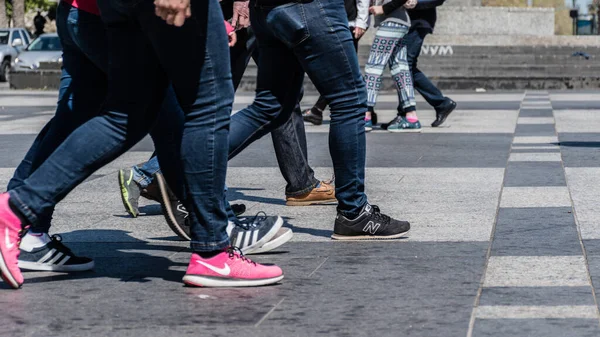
505 240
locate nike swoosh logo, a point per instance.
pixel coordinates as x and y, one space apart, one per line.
225 271
9 245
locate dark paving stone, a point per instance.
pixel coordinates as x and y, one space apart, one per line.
547 231
594 267
537 130
534 174
537 296
536 327
409 297
563 105
536 113
462 105
405 288
592 247
540 98
580 149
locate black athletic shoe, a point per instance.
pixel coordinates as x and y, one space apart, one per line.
371 224
173 210
314 116
444 113
54 256
130 191
396 120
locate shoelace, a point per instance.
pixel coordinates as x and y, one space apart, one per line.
251 221
233 250
380 216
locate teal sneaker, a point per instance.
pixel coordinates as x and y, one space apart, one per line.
402 125
368 125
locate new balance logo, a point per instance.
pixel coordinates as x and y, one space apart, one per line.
371 227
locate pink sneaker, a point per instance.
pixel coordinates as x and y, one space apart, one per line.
10 237
230 269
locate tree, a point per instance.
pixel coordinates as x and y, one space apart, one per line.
3 17
18 13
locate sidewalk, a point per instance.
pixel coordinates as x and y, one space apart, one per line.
505 239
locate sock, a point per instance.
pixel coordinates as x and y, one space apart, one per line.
208 255
34 240
412 119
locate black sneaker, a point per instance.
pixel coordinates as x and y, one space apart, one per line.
314 116
130 191
54 256
442 114
371 224
173 210
251 233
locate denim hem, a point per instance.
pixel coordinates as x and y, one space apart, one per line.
353 215
24 209
198 246
303 191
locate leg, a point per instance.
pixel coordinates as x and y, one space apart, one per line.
401 73
433 96
385 40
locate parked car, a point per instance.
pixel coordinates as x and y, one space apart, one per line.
12 42
45 48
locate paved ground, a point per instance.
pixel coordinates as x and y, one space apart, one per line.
505 240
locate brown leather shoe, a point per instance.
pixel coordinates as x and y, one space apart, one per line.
324 194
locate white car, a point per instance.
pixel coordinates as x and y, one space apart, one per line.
45 48
12 42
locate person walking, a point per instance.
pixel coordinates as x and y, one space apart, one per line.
358 21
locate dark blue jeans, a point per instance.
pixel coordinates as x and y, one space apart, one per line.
289 140
414 41
82 91
310 37
141 64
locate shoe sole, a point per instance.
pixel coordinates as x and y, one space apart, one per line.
368 237
42 267
405 130
125 195
275 243
213 282
168 211
270 234
6 274
332 201
445 117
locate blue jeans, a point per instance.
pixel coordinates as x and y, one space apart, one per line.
314 38
289 140
414 41
141 64
83 86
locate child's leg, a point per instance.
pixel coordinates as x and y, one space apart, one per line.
385 40
403 78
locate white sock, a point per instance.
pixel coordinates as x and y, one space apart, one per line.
32 241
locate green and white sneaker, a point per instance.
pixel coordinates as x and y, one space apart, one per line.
130 191
403 125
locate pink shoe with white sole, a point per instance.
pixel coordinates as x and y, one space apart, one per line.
230 269
10 237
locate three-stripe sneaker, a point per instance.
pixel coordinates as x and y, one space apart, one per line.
52 256
370 224
251 233
230 268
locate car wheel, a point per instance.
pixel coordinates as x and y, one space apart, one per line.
4 69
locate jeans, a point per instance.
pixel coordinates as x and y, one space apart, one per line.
141 64
289 140
82 91
433 95
311 38
321 104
